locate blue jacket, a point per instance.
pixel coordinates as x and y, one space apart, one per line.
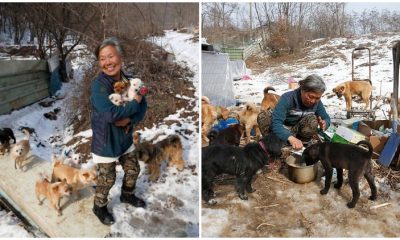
109 140
290 109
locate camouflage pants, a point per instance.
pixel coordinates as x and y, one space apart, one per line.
107 175
304 129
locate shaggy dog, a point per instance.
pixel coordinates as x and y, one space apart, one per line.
20 150
169 149
248 118
343 156
6 135
228 136
136 88
270 99
241 162
350 88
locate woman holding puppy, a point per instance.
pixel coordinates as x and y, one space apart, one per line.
298 113
112 131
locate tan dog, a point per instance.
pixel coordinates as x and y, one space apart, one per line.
248 119
208 117
77 178
270 99
169 149
52 191
350 88
20 150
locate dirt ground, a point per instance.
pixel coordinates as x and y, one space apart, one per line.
282 208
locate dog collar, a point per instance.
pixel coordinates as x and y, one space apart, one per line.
263 147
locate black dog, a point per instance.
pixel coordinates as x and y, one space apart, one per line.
343 156
228 136
241 162
6 134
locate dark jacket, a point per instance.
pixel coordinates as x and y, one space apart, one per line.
109 140
290 109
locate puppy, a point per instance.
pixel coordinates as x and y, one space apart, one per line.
208 117
350 88
6 135
20 150
343 156
136 87
169 149
248 118
228 136
52 191
77 178
136 138
73 161
116 99
120 87
241 162
270 99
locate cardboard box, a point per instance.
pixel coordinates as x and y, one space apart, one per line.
347 134
378 143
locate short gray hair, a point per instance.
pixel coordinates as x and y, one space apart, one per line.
112 41
312 83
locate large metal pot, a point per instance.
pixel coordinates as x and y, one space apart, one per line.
298 171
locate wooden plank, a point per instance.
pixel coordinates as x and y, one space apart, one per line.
23 78
12 67
77 219
6 107
20 91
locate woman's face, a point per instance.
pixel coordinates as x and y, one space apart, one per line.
309 99
110 62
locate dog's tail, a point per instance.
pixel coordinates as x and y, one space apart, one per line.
42 177
268 88
368 144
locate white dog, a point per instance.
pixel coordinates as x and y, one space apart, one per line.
134 88
116 99
73 161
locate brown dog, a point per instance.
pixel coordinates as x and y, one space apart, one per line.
52 191
77 178
210 114
270 99
20 150
350 88
248 119
169 149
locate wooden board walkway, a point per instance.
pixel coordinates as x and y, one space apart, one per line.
18 188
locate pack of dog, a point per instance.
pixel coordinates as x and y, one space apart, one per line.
240 162
127 92
153 154
343 156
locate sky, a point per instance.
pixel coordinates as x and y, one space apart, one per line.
360 6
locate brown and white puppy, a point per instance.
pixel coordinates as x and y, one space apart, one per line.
169 149
74 160
116 99
136 138
77 178
20 150
120 87
52 191
248 119
350 88
343 156
270 99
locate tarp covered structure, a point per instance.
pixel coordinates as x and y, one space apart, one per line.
217 81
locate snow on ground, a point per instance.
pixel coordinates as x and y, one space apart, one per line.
301 211
172 201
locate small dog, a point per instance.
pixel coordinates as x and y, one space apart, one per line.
241 162
77 178
169 149
52 191
6 135
248 118
343 156
270 99
73 161
208 117
136 138
136 87
120 87
350 88
20 150
116 99
228 136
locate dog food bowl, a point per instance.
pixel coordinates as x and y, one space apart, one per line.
298 171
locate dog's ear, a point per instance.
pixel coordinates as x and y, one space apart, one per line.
55 188
341 88
86 175
334 90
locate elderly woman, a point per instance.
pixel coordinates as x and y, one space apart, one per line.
112 128
297 114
